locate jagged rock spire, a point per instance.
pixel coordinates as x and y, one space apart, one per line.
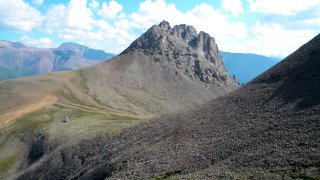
194 54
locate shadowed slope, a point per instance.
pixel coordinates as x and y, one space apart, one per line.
254 132
299 74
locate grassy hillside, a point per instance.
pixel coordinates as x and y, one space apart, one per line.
36 107
99 101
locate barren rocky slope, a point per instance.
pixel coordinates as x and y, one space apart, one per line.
180 69
164 70
268 129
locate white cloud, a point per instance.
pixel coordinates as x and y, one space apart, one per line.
110 10
75 22
123 24
106 26
55 18
18 15
152 12
39 2
94 4
233 6
122 15
41 42
273 39
282 7
78 15
205 18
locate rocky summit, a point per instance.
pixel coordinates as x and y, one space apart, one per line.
195 55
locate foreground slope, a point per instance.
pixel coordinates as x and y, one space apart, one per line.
268 129
165 70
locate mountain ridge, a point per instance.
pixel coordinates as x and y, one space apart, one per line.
198 53
247 66
25 61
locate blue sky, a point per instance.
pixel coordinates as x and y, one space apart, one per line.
267 27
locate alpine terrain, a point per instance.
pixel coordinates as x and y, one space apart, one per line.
268 129
165 70
18 60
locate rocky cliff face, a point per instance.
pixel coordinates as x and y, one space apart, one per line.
195 55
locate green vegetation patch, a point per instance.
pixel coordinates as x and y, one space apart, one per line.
32 121
6 165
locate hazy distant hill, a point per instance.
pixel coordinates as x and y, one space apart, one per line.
247 66
18 60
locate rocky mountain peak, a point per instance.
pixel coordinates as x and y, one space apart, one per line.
15 45
195 55
165 25
69 46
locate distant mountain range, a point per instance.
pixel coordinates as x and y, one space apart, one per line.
247 66
18 60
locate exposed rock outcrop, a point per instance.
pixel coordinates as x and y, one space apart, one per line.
194 54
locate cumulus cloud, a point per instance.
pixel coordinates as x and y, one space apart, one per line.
272 39
54 18
105 25
152 12
39 2
76 15
110 10
283 7
94 4
75 22
233 6
18 15
79 16
44 42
